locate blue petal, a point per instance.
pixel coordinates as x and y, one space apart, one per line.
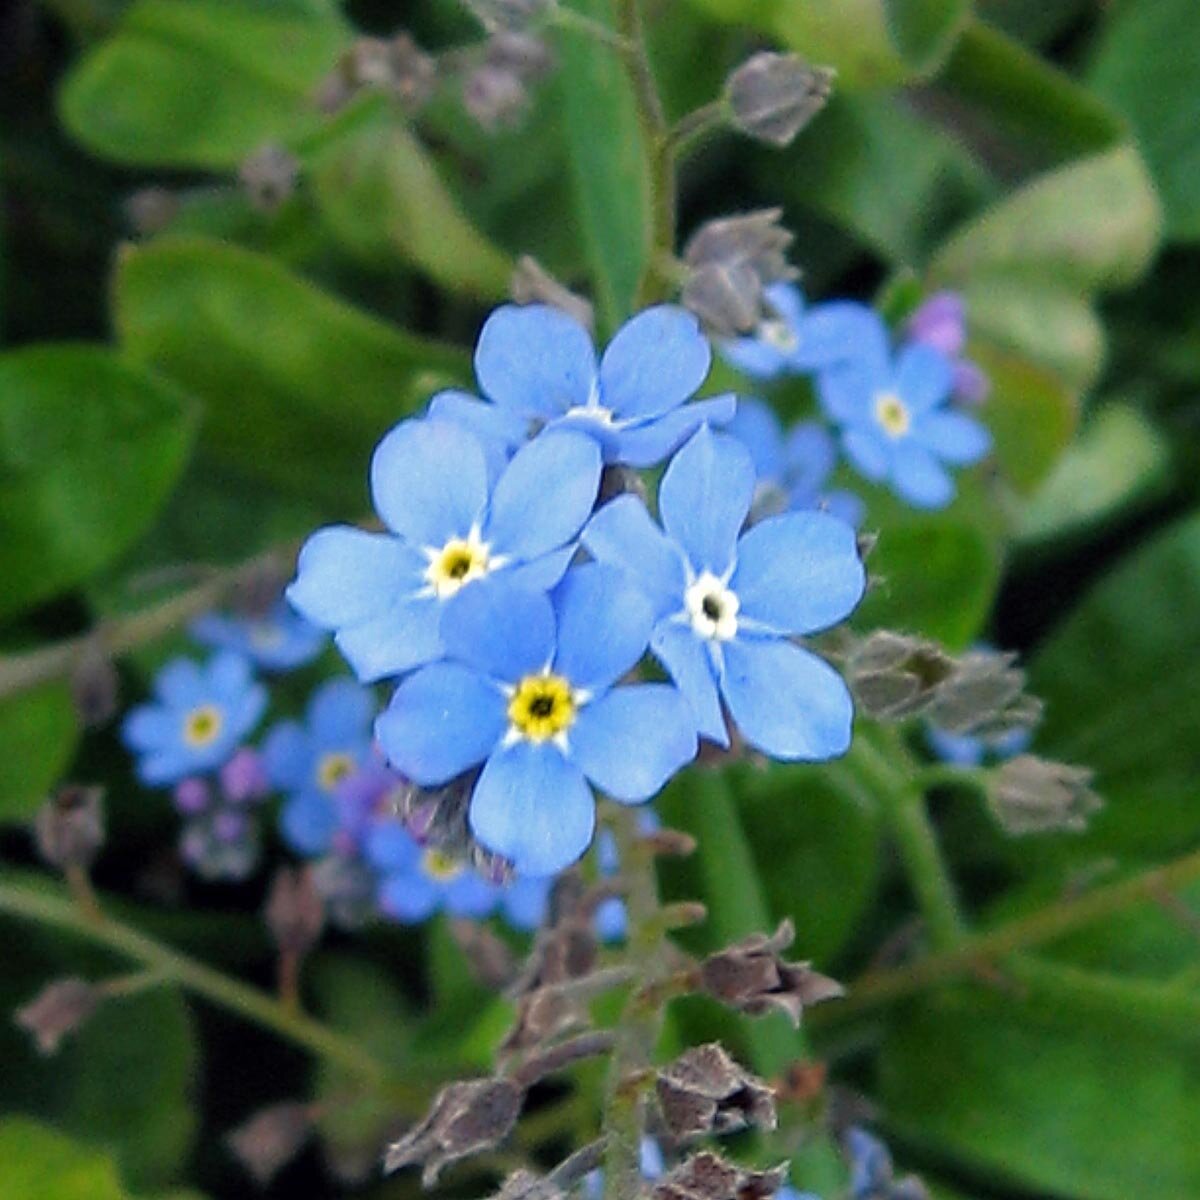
757 427
149 727
847 392
867 451
918 477
965 750
603 624
243 713
611 920
228 675
488 422
786 702
650 1159
535 360
953 436
753 357
525 902
429 480
501 629
655 362
534 808
165 767
846 506
788 302
389 847
408 897
648 444
809 455
180 684
544 496
442 720
340 713
705 496
630 741
843 332
799 572
308 822
398 640
623 534
540 574
288 756
686 659
470 896
345 576
924 377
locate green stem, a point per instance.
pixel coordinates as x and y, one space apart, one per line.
892 779
248 1002
689 131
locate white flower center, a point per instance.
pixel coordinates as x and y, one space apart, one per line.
458 562
596 413
892 414
712 608
780 335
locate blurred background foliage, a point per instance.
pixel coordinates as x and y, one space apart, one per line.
195 380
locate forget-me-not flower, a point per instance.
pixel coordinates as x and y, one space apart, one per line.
279 640
538 368
941 322
310 760
727 606
198 719
527 691
872 1173
451 523
897 425
793 469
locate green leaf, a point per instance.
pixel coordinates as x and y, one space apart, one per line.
90 446
41 1163
383 198
609 166
1052 1097
203 84
38 733
1122 692
1146 64
297 386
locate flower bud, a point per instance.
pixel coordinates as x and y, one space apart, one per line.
495 93
773 96
940 322
704 1091
94 687
347 886
465 1118
244 777
707 1176
295 913
58 1009
269 177
894 676
150 210
1028 794
69 827
270 1139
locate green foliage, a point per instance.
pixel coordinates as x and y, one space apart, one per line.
38 732
90 445
42 1164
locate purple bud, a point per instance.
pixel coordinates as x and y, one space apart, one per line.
941 322
58 1009
244 776
193 844
191 796
69 827
271 1138
229 826
971 385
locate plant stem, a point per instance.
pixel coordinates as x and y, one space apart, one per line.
254 1005
698 124
892 779
79 885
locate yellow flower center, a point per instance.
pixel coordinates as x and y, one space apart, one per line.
202 726
437 864
541 707
780 335
892 413
333 768
458 562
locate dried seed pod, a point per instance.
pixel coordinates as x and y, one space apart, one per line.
1029 794
707 1176
704 1091
58 1009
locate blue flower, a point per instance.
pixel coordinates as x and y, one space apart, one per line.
528 692
896 424
280 640
452 522
971 749
310 760
650 1164
872 1174
538 368
941 322
792 470
726 607
612 917
797 339
199 719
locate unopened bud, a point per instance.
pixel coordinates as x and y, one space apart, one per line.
465 1118
752 977
58 1009
940 322
271 1138
704 1092
531 283
150 210
773 96
707 1176
244 777
1028 794
980 691
94 687
269 177
69 827
294 914
894 676
396 66
496 92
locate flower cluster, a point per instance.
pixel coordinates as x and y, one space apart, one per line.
892 406
515 612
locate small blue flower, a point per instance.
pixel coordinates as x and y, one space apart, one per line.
726 607
528 692
452 522
538 367
792 470
612 917
971 749
897 426
280 640
200 717
797 339
310 760
872 1174
650 1163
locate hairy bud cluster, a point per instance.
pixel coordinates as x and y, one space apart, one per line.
496 89
1028 794
772 96
268 177
396 66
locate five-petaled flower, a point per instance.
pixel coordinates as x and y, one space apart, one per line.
537 366
310 760
454 518
897 426
527 690
278 640
727 606
199 719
